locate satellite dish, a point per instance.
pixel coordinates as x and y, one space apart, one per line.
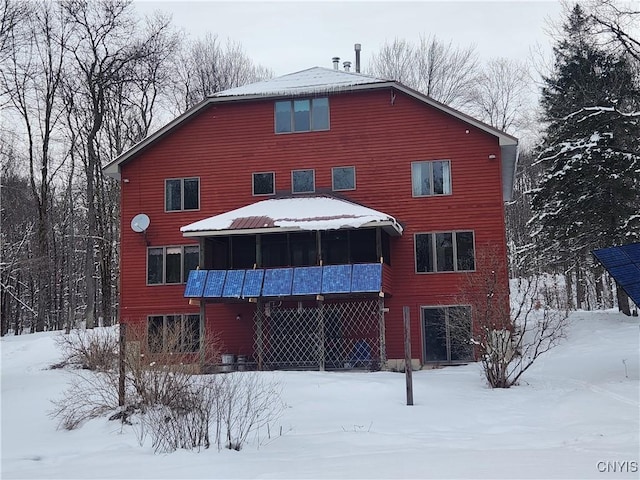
140 223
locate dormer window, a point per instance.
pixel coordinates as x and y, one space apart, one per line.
302 115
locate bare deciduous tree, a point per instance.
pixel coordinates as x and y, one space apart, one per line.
446 73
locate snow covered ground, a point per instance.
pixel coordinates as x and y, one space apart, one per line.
575 415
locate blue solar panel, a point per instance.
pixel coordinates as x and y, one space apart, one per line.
252 283
307 280
623 263
195 283
233 284
215 282
366 277
336 279
277 282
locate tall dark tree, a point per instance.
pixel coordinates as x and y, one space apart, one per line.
589 192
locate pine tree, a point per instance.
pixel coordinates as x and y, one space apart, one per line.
589 193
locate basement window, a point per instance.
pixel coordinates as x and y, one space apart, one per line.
302 115
173 333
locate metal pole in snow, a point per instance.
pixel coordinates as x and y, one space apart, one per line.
407 354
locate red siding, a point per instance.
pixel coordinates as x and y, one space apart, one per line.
377 132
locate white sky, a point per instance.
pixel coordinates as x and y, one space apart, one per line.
295 35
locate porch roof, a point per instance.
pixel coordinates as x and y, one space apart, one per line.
292 214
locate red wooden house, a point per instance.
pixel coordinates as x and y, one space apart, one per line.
294 218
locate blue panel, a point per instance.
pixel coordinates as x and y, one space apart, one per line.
336 279
233 284
215 282
307 280
277 282
611 257
626 274
623 263
633 250
366 277
195 283
252 283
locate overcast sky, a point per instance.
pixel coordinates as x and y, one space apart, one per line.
291 36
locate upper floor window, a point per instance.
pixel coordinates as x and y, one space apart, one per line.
444 252
182 194
264 183
302 115
431 178
171 264
303 181
343 178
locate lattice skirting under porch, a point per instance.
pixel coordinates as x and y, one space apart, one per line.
336 335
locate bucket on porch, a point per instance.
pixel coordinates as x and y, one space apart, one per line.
227 362
242 363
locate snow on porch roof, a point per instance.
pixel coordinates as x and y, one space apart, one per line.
287 214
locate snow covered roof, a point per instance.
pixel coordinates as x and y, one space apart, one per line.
312 80
287 214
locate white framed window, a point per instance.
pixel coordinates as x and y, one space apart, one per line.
343 178
171 265
302 115
264 183
303 181
431 178
181 194
444 252
446 334
173 333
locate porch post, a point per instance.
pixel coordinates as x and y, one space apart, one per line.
381 327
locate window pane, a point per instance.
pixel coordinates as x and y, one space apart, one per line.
444 252
459 322
173 334
465 255
424 249
191 193
435 335
320 114
191 333
154 265
173 195
191 260
301 116
421 178
303 181
154 334
344 178
263 184
283 116
174 265
441 178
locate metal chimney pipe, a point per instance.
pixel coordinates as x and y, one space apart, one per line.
336 61
357 47
347 66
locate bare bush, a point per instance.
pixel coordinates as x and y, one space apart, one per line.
512 327
95 349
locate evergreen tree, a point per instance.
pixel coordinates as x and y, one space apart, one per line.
589 192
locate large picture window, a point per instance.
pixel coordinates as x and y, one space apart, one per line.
431 178
302 115
447 334
169 265
182 194
444 252
173 333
